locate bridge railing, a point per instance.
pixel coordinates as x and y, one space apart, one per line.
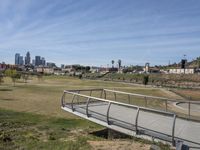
160 103
84 104
154 102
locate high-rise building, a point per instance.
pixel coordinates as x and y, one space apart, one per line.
43 62
62 66
17 55
19 59
33 62
27 58
37 60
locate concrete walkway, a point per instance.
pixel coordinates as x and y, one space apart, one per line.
150 124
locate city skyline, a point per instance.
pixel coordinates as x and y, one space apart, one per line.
93 32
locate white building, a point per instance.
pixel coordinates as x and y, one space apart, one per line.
182 71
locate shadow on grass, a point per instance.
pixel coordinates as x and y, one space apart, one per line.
8 99
5 89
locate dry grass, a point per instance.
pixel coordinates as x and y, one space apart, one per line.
118 145
43 97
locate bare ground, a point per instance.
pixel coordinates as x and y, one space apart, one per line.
118 145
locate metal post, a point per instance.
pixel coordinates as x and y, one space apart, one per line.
104 94
189 105
115 96
129 99
91 93
78 97
166 105
101 95
145 98
62 100
136 121
72 103
173 130
88 101
108 110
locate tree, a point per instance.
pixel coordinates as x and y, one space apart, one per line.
25 77
112 63
119 63
1 78
145 79
13 75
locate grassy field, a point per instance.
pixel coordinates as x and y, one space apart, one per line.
31 117
43 96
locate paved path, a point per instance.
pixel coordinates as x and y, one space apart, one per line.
150 124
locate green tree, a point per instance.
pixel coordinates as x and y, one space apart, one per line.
13 75
112 63
1 78
145 79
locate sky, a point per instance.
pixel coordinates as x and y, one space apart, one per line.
94 32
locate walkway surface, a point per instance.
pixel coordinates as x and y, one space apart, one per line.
149 124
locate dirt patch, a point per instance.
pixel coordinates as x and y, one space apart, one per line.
118 145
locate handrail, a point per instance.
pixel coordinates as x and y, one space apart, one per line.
119 103
138 108
152 97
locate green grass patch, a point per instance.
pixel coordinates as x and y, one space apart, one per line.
30 131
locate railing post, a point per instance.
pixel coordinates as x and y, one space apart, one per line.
62 100
101 95
104 94
115 96
108 110
189 105
145 98
129 99
72 103
91 93
166 109
88 101
78 97
173 130
136 121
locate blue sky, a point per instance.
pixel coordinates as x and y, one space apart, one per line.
93 32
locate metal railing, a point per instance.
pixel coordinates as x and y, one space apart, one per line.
146 99
89 99
166 101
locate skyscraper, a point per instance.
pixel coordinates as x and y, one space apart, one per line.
27 59
17 55
37 60
43 62
21 61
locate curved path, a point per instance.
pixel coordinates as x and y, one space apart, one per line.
154 125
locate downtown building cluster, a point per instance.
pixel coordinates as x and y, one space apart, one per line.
38 61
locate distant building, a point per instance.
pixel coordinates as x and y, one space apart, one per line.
17 55
45 70
182 71
62 66
37 60
27 59
51 65
43 61
33 62
4 66
147 68
21 60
